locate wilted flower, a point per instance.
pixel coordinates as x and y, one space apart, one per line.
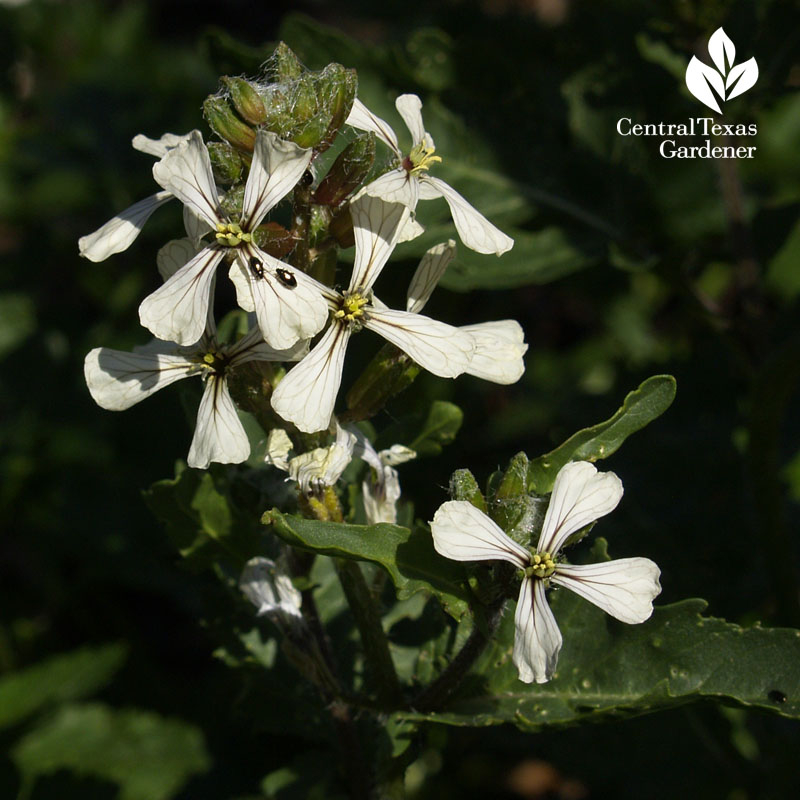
409 181
271 591
623 588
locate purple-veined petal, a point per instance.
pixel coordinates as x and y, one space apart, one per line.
277 167
409 106
395 186
174 255
186 172
438 347
118 380
623 588
178 311
307 394
252 347
219 435
475 230
158 147
376 225
120 231
428 274
464 533
580 496
362 118
537 641
499 348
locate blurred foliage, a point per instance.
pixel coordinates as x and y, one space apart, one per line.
626 264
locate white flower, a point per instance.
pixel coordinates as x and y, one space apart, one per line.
120 231
118 380
499 346
623 588
288 303
381 489
409 181
271 591
306 396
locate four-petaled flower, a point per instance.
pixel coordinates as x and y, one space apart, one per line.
307 394
409 181
288 303
623 588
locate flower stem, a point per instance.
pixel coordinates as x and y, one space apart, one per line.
373 638
435 695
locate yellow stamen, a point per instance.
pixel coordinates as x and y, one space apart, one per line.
352 307
230 234
542 566
421 158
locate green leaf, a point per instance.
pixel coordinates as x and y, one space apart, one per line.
148 756
609 670
58 679
408 556
653 397
201 517
426 436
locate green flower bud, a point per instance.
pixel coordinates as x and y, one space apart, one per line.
313 131
389 372
277 112
303 99
515 479
348 171
225 161
463 486
233 202
227 125
246 100
287 65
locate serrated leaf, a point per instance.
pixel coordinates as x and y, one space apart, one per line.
609 670
58 679
641 406
408 556
148 756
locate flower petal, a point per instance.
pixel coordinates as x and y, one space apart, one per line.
252 347
174 255
394 186
624 588
269 589
428 274
158 147
439 348
307 394
242 279
219 435
195 226
537 642
499 347
286 312
362 118
178 311
323 466
117 380
580 496
120 231
186 172
376 225
409 106
475 230
464 533
277 167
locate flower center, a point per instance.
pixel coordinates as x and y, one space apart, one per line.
420 158
214 362
542 566
351 307
230 234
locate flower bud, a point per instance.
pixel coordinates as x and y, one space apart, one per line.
463 486
312 132
246 100
233 201
348 171
227 125
303 99
225 161
277 111
389 372
336 90
287 65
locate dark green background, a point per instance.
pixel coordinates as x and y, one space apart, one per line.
691 268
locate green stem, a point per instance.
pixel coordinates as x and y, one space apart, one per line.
434 696
376 645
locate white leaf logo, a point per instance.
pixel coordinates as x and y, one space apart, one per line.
712 85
